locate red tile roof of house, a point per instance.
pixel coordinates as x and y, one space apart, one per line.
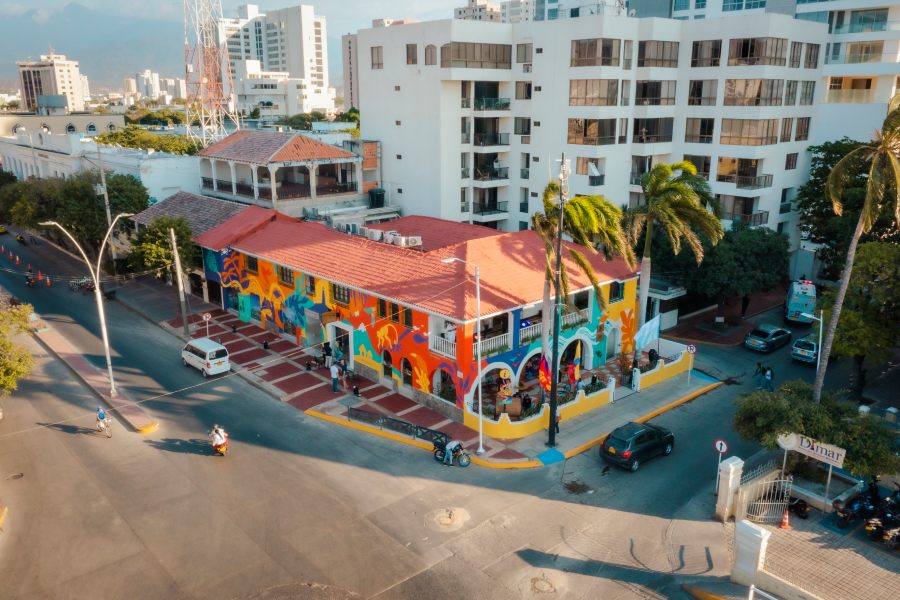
512 265
202 213
265 147
238 226
435 233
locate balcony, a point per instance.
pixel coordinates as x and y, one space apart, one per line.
465 103
785 208
849 96
635 178
491 139
595 180
530 333
857 58
493 345
575 319
867 27
491 174
464 173
442 346
337 187
492 103
757 219
465 138
698 139
524 173
747 182
490 208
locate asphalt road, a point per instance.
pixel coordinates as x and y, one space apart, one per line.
309 510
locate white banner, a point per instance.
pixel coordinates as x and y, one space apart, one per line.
826 453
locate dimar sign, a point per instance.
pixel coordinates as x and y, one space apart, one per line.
825 453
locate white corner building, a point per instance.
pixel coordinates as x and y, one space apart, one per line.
52 75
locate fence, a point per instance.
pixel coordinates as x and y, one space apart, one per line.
396 425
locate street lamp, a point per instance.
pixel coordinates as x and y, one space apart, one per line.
564 171
453 259
95 276
112 247
819 347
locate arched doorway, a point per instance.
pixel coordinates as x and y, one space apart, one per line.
612 343
443 386
387 368
406 372
568 357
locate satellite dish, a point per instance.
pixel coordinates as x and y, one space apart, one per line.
632 13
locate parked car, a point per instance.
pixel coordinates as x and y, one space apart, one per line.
765 338
207 356
633 443
806 349
801 300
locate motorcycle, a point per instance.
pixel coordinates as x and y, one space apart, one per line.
861 505
461 457
105 426
21 239
888 517
29 281
219 449
799 507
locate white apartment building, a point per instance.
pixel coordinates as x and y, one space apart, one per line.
350 74
52 75
277 94
474 129
147 83
129 86
478 10
516 11
85 88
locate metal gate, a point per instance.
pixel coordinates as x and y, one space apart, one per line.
765 501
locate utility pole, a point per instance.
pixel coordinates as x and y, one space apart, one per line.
178 278
554 370
112 247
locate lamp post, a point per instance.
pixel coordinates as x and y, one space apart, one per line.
112 247
554 369
95 276
453 259
821 325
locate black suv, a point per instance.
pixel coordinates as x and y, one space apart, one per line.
632 443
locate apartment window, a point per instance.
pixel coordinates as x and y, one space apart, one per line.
699 131
753 92
592 132
626 89
430 55
396 88
650 131
787 127
395 312
399 157
749 132
657 54
412 54
864 21
340 294
836 83
463 200
681 5
790 93
523 90
382 308
397 123
523 225
790 161
732 5
251 265
802 132
616 291
377 57
474 55
703 163
796 51
407 317
807 91
522 125
593 92
812 56
285 275
864 52
627 51
523 53
595 52
706 53
310 284
699 3
582 165
702 92
757 51
654 93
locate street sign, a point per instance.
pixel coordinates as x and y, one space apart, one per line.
207 317
692 348
721 446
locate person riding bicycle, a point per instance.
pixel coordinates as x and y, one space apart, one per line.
101 417
450 449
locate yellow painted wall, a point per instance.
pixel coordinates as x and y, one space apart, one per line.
663 372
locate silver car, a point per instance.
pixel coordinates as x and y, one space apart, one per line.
765 338
806 349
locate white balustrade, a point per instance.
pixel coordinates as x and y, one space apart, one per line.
576 317
493 345
532 332
442 346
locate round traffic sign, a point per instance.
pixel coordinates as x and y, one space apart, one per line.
207 317
692 348
721 446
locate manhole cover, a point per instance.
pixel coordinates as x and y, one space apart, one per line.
16 476
542 585
446 519
576 487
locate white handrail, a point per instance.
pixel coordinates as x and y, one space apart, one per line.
442 346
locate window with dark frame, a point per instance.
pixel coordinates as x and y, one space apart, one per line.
757 51
616 291
412 54
407 317
340 294
790 161
702 92
251 264
802 132
655 53
592 132
310 284
285 275
699 131
382 308
706 53
595 52
377 57
593 92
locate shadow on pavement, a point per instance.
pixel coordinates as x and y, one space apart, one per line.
194 446
74 429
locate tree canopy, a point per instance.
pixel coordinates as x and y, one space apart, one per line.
136 137
16 361
6 178
145 116
152 248
303 121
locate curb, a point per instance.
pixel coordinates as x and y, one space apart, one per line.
519 464
717 344
700 594
4 512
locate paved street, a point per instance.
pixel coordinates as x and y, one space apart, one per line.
302 504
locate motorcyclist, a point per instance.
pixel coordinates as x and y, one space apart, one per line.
218 437
450 449
29 277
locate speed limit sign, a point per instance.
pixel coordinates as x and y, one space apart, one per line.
207 317
692 348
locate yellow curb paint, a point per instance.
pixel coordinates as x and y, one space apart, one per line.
679 402
699 594
148 428
370 429
522 464
585 446
3 512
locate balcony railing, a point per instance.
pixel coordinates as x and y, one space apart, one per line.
442 346
465 138
651 138
785 208
338 187
747 182
698 139
595 180
754 220
849 96
867 27
701 100
635 178
492 103
532 332
492 139
856 58
464 173
490 174
294 190
465 103
492 345
574 319
524 173
490 208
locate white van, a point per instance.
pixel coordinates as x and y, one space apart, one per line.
801 298
207 356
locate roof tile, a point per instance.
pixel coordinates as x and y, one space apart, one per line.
265 147
202 213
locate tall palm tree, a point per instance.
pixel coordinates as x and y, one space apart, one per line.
675 200
592 221
883 156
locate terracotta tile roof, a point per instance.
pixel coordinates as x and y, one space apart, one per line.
512 266
238 226
202 213
436 233
265 147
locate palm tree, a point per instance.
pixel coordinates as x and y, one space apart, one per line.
883 156
676 200
592 221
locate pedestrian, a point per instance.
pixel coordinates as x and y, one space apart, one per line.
326 351
556 423
335 373
758 376
769 379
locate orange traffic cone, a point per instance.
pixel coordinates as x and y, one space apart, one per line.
18 260
29 266
40 277
784 521
48 282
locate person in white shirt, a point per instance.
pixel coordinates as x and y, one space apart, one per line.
451 447
450 332
335 374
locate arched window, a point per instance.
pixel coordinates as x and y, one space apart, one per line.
91 128
70 128
111 127
406 372
430 54
386 366
445 55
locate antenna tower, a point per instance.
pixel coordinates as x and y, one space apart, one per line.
210 88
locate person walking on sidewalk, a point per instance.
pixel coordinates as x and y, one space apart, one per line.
326 351
335 374
769 376
758 376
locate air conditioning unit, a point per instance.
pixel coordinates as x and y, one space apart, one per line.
374 234
363 231
400 240
389 236
414 240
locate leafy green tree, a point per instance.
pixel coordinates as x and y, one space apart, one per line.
254 114
28 202
6 178
675 200
868 327
351 116
16 361
883 157
763 416
152 248
137 137
303 121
